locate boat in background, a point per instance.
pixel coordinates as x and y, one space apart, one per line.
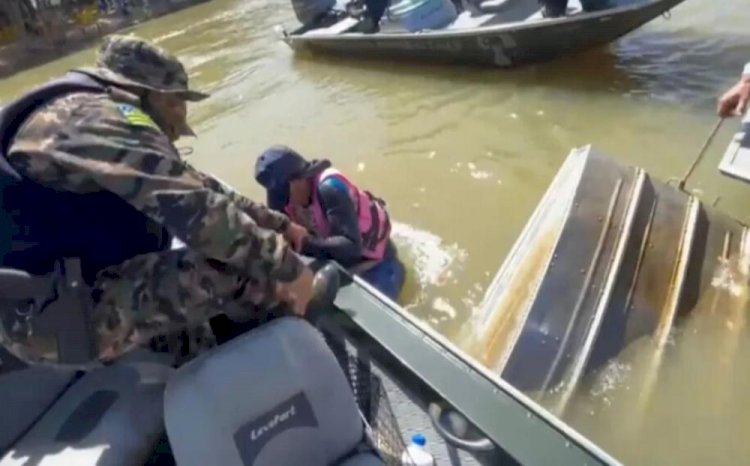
502 33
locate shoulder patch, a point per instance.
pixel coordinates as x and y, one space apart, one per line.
136 116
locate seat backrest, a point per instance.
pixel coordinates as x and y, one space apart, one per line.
275 396
18 285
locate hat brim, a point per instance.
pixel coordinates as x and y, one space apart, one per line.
116 78
187 131
313 168
192 96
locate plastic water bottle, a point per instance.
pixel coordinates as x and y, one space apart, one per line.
416 454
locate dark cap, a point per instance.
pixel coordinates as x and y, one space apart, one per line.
277 166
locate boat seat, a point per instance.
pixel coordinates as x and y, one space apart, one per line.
495 6
110 416
30 391
345 25
469 20
506 11
275 396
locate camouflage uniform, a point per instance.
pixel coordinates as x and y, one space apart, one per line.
85 143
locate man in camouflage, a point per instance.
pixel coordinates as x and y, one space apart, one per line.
121 141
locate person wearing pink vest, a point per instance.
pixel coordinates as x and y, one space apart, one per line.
344 222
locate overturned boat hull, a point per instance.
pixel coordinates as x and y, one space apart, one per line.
502 45
610 255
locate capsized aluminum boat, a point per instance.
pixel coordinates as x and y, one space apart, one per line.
501 33
609 254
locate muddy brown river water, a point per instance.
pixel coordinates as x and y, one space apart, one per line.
462 155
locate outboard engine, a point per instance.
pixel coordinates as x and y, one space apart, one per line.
308 11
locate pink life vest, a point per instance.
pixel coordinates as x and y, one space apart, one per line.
374 224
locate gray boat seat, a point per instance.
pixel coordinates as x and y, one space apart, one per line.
275 396
18 285
340 27
30 391
110 416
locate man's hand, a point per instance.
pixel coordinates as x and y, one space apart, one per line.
734 102
297 294
295 235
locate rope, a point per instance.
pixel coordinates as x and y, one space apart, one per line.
702 152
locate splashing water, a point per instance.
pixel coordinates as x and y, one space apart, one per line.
729 277
614 374
429 262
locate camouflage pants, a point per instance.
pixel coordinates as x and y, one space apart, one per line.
164 298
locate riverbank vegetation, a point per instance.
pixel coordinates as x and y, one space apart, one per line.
36 31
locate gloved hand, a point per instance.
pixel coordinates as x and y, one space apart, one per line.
325 288
310 291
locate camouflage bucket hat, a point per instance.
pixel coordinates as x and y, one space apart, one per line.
132 61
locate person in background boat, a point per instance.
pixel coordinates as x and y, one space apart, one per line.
375 11
89 170
346 223
371 12
734 101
